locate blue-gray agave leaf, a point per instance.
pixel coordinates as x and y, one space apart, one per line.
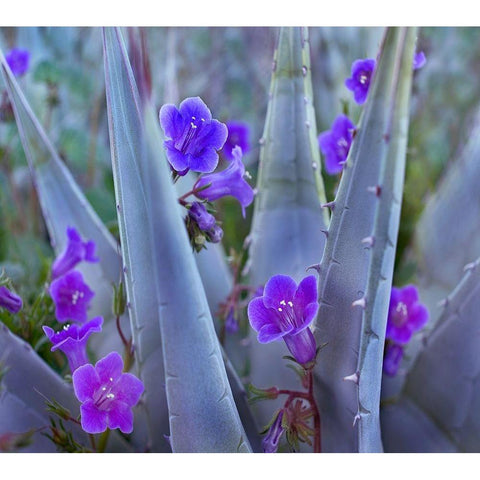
62 201
357 266
163 284
286 235
440 399
24 387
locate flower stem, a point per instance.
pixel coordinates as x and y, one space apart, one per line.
102 442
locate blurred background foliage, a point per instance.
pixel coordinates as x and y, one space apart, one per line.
229 68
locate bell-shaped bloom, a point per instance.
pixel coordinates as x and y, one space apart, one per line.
9 300
238 134
335 144
75 252
202 218
286 311
18 60
274 433
406 314
193 137
107 395
71 296
72 340
359 82
419 60
392 358
227 182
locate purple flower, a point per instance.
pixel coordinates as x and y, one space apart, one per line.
107 395
406 314
359 82
72 340
392 358
71 296
193 137
335 144
198 213
271 439
18 60
227 182
9 300
285 311
215 235
238 133
76 251
419 60
231 323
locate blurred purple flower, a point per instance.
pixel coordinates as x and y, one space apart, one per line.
75 252
215 235
193 137
406 314
198 213
9 300
71 297
231 323
238 134
286 311
335 144
392 358
419 60
107 395
18 60
359 82
227 182
72 340
271 439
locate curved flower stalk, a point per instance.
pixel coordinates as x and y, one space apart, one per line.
357 266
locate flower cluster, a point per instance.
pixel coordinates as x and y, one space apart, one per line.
106 394
193 139
406 315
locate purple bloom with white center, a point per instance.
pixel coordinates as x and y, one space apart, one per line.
227 182
406 314
238 134
392 358
193 136
9 300
271 439
75 252
419 60
286 311
18 60
198 213
359 82
335 144
71 296
107 395
72 340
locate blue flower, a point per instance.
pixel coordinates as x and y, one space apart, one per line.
359 82
286 310
193 137
198 213
227 182
419 60
18 60
238 133
392 358
9 300
271 439
335 144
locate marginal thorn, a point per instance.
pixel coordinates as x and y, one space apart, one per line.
443 302
375 189
356 418
325 232
369 241
316 267
470 266
361 302
354 377
330 205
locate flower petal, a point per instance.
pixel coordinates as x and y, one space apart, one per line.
93 419
400 335
213 135
417 317
194 107
204 161
176 158
85 382
269 333
171 121
409 295
259 315
302 345
120 416
306 293
128 389
278 288
109 367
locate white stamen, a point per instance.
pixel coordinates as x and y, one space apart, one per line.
283 302
110 395
363 79
290 304
280 309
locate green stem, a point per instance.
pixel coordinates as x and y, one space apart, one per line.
102 442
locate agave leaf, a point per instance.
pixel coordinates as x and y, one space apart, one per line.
444 380
286 235
163 284
24 387
359 256
63 203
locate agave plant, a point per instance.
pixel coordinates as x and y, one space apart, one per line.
176 362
